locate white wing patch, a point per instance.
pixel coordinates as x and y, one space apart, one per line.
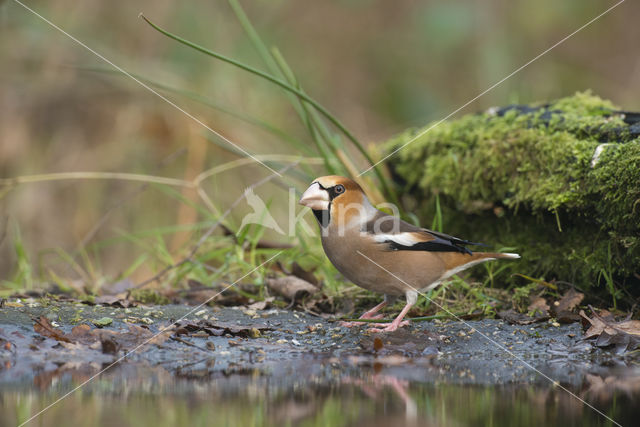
404 239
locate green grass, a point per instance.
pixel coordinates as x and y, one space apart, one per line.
226 257
220 257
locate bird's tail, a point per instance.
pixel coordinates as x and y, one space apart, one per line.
495 255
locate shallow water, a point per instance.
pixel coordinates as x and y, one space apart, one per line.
307 371
157 398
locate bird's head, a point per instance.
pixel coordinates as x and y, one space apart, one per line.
334 197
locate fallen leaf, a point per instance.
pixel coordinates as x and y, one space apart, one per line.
291 287
568 302
46 329
261 305
538 307
377 344
303 274
109 340
624 335
118 300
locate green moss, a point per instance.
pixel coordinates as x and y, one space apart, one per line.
528 177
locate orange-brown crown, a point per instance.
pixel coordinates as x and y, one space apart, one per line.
346 205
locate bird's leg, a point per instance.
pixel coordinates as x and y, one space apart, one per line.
412 297
369 314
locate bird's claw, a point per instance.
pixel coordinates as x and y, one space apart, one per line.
352 324
372 316
385 327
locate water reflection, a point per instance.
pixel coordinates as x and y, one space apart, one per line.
154 396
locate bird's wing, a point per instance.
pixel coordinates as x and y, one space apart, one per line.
400 235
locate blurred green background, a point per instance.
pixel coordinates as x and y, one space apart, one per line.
380 66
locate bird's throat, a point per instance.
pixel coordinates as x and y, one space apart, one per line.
323 217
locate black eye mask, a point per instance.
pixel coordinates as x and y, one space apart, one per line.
324 216
332 190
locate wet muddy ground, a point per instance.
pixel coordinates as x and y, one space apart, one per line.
271 367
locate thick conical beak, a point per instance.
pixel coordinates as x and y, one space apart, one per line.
315 197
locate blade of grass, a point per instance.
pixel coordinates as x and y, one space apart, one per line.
24 274
319 132
295 101
289 88
437 219
257 72
538 281
276 64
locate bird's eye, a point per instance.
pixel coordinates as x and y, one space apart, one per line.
339 189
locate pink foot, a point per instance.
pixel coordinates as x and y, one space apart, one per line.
352 324
383 327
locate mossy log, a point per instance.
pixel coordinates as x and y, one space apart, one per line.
558 182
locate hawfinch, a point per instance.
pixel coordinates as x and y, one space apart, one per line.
380 252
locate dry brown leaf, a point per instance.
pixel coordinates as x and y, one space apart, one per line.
44 327
109 340
118 300
291 287
300 272
623 335
538 306
261 305
569 301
